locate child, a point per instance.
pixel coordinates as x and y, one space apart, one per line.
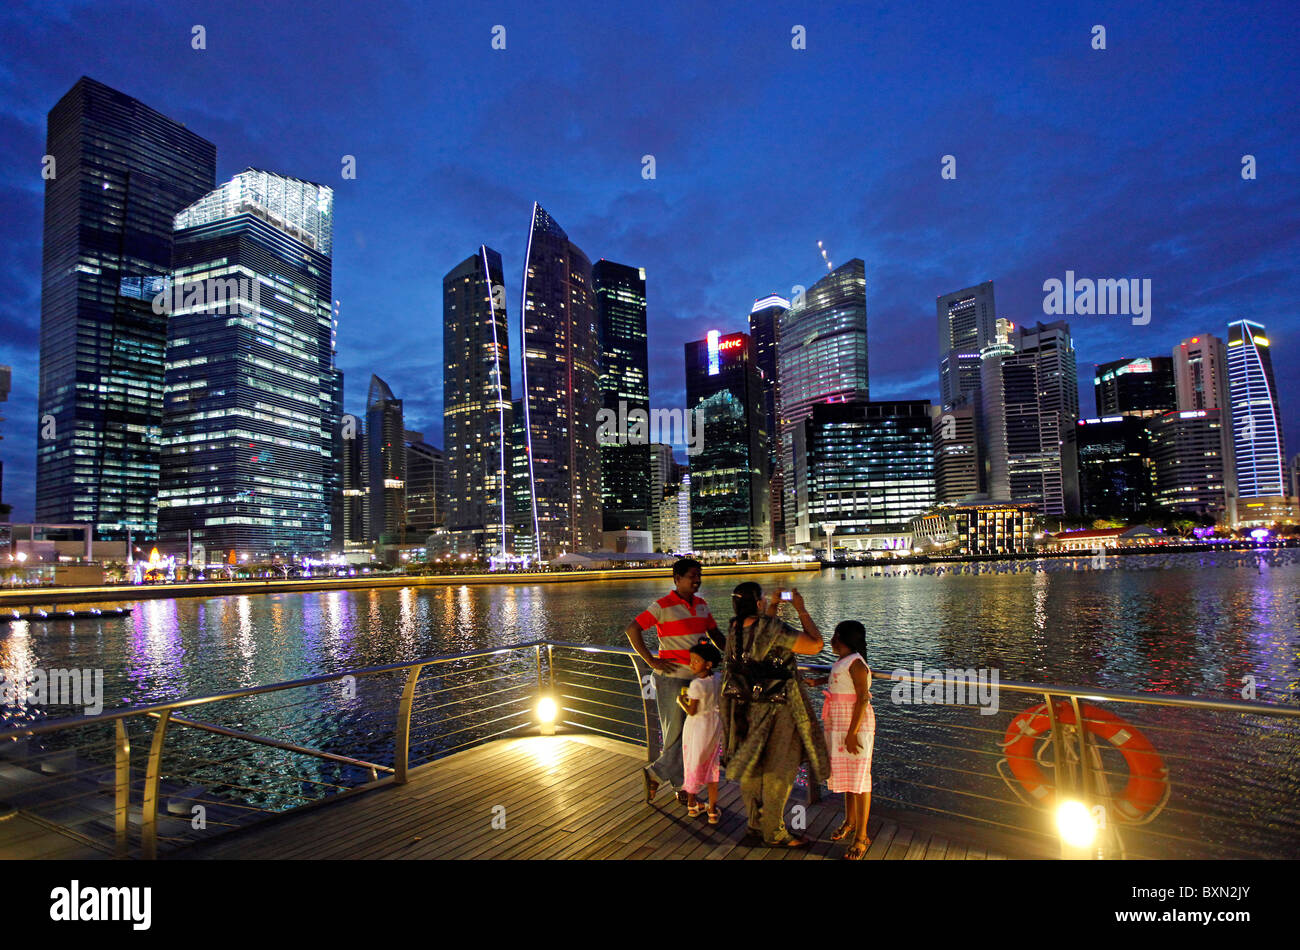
702 734
850 727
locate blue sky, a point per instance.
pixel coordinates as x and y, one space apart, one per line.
1123 162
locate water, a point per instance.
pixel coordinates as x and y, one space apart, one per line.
1192 624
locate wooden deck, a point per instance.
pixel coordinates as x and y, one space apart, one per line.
565 796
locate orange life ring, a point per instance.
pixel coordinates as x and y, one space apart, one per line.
1148 780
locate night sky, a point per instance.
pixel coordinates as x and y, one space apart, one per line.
1117 163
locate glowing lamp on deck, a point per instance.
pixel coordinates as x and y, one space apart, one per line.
546 713
1075 823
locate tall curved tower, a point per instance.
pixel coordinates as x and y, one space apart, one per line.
561 380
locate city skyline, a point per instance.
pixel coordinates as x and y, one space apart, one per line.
1218 258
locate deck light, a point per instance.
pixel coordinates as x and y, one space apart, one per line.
1076 824
546 711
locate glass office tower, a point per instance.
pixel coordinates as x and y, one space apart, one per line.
384 465
561 369
729 495
1259 453
249 423
1135 387
870 471
476 413
624 387
821 357
764 328
121 173
966 323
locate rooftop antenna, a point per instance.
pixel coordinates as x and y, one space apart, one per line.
822 248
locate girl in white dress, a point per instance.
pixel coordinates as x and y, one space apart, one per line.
702 734
850 725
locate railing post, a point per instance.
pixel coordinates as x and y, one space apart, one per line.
550 665
121 786
152 778
402 752
645 703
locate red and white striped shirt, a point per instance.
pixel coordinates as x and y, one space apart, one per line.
679 626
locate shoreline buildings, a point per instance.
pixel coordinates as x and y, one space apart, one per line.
821 357
620 297
561 369
477 414
121 173
251 392
1259 455
728 476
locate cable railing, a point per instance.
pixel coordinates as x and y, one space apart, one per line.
1045 770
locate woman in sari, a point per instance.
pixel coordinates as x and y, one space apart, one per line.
769 724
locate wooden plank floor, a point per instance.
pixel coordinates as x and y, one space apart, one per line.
566 796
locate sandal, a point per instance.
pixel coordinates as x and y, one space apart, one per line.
714 816
792 842
694 810
843 831
858 851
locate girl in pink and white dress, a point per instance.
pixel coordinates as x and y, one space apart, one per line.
702 732
850 726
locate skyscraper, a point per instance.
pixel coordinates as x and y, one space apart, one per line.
966 323
5 376
956 452
561 369
619 292
121 173
247 431
764 328
661 471
821 357
1201 373
1259 454
384 465
1030 407
476 413
870 470
1116 474
1135 387
729 496
426 487
1192 453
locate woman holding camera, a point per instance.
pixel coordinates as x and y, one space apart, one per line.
769 723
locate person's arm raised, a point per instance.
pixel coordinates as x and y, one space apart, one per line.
810 639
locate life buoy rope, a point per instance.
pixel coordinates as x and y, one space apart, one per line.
1148 781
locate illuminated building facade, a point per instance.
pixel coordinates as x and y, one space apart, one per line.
624 387
1192 454
764 328
870 470
1135 387
1200 373
1116 474
250 408
729 491
121 173
966 320
561 370
477 414
821 357
1259 454
384 465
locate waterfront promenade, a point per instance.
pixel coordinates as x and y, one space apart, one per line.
571 797
50 596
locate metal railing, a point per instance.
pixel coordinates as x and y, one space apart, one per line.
149 780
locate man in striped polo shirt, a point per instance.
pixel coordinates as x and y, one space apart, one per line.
680 620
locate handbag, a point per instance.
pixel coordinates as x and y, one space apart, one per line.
757 680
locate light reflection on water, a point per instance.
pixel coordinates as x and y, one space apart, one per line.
1183 629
